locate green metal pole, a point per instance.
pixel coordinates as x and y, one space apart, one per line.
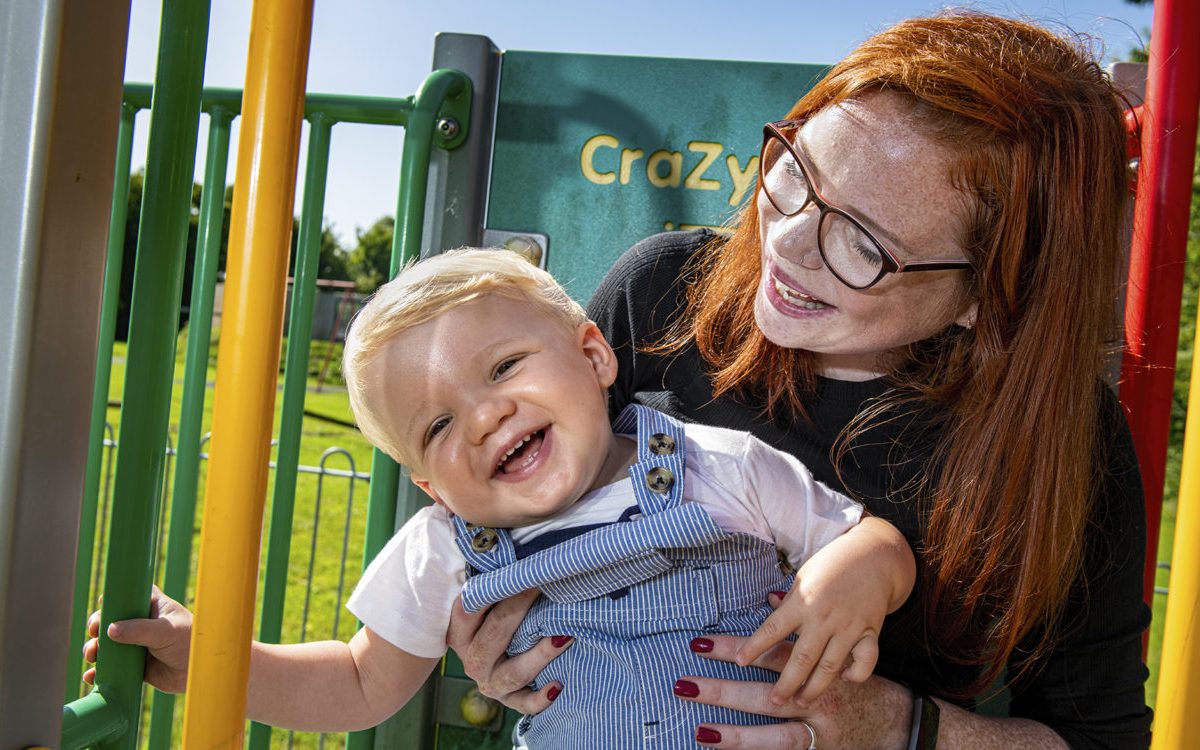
195 386
416 717
90 720
158 281
108 324
295 382
367 110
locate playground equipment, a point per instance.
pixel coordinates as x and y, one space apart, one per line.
615 149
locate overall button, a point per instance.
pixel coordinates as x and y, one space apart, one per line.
659 480
661 445
484 540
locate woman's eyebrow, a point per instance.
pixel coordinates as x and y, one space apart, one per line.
893 243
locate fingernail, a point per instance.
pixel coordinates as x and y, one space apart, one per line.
708 736
781 594
558 641
686 688
701 645
553 692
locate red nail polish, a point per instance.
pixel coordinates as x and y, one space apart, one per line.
553 692
781 594
686 688
558 641
701 645
707 736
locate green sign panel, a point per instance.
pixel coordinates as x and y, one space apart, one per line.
596 152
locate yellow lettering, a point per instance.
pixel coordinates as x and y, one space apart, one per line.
587 159
742 178
628 157
674 161
695 179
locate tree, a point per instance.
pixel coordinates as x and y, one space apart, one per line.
133 218
370 261
332 262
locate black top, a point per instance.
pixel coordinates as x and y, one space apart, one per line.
1090 688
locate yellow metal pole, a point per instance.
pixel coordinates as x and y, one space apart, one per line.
247 370
1178 702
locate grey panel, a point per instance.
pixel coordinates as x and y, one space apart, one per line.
61 65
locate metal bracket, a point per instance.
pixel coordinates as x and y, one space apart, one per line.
454 118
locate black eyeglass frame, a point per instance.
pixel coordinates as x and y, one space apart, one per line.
890 263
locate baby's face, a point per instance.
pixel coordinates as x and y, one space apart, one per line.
500 408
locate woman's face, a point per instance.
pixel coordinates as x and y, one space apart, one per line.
865 158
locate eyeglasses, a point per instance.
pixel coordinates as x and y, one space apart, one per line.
848 249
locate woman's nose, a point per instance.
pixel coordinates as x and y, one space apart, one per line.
798 238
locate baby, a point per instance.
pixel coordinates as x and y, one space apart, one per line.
477 372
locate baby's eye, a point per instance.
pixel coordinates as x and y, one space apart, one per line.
504 367
438 425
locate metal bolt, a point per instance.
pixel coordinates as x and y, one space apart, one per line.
526 246
447 127
478 709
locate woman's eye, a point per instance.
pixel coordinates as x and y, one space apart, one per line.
869 253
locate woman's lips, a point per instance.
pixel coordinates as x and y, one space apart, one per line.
789 297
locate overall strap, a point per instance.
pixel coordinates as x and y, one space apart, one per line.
658 472
484 548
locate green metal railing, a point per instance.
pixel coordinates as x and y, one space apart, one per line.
106 716
437 116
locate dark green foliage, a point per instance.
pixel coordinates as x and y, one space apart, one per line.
332 264
370 261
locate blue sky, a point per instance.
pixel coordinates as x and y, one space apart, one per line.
384 48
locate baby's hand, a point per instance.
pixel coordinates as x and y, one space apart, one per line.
834 639
166 634
836 609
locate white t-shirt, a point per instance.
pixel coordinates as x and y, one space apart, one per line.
407 592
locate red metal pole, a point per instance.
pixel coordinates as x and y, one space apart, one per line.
1160 246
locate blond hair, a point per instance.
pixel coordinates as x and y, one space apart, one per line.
422 291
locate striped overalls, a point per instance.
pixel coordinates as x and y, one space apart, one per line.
633 594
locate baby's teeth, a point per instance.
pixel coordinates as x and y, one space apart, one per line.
513 449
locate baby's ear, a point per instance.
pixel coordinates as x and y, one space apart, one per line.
427 488
598 352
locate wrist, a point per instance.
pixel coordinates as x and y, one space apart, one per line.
897 703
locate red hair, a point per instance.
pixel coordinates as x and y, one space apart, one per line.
1034 131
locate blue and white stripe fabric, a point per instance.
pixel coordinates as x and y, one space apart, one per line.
633 594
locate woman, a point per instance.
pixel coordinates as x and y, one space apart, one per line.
964 403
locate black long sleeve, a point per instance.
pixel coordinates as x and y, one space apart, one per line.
1090 687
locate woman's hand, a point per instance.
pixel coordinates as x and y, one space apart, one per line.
874 714
166 634
480 641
